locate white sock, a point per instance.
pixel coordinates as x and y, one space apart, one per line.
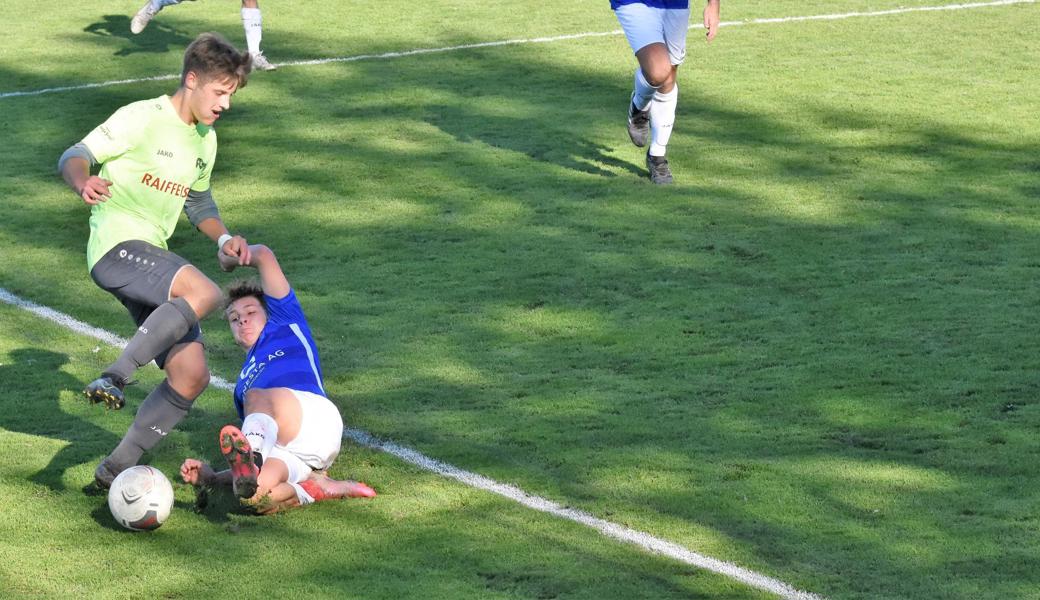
662 117
302 495
644 92
252 22
261 431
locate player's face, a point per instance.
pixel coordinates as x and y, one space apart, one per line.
210 98
247 318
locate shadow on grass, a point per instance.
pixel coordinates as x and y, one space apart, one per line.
158 38
84 440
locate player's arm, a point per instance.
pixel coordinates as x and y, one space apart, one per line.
203 214
262 258
272 279
74 166
198 473
712 18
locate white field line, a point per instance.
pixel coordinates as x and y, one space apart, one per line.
538 40
611 530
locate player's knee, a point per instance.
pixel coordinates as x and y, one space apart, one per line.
211 294
191 381
658 74
201 293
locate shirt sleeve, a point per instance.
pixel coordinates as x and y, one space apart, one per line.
284 310
116 135
200 206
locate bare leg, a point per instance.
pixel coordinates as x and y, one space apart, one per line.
336 488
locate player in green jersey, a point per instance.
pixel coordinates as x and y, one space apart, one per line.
156 158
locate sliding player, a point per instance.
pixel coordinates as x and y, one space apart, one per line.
290 431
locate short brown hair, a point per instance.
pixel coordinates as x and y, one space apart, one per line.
244 289
211 57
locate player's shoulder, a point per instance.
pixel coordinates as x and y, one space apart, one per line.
142 110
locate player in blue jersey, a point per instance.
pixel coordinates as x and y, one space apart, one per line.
656 31
290 431
252 22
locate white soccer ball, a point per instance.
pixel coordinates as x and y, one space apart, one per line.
140 498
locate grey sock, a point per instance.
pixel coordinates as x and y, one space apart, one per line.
159 414
167 324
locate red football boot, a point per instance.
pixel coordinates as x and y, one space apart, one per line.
244 471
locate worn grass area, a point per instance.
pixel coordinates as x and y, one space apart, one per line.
813 356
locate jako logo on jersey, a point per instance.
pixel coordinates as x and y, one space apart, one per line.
165 185
165 153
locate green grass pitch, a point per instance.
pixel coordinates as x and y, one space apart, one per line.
815 356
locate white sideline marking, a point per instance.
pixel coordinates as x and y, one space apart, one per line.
538 40
611 530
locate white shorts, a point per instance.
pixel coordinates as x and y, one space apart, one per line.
319 440
644 25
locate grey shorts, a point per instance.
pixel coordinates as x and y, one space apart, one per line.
140 276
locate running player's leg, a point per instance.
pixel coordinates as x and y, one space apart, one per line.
166 298
655 64
165 407
642 29
674 23
148 12
192 296
253 23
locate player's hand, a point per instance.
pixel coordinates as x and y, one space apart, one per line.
196 472
711 19
227 262
237 247
95 190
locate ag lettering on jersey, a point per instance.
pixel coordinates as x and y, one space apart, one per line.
246 370
251 371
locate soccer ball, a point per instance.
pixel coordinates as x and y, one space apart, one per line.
140 498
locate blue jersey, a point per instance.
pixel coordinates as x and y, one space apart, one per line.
652 3
283 356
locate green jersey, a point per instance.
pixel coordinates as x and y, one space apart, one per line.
153 158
